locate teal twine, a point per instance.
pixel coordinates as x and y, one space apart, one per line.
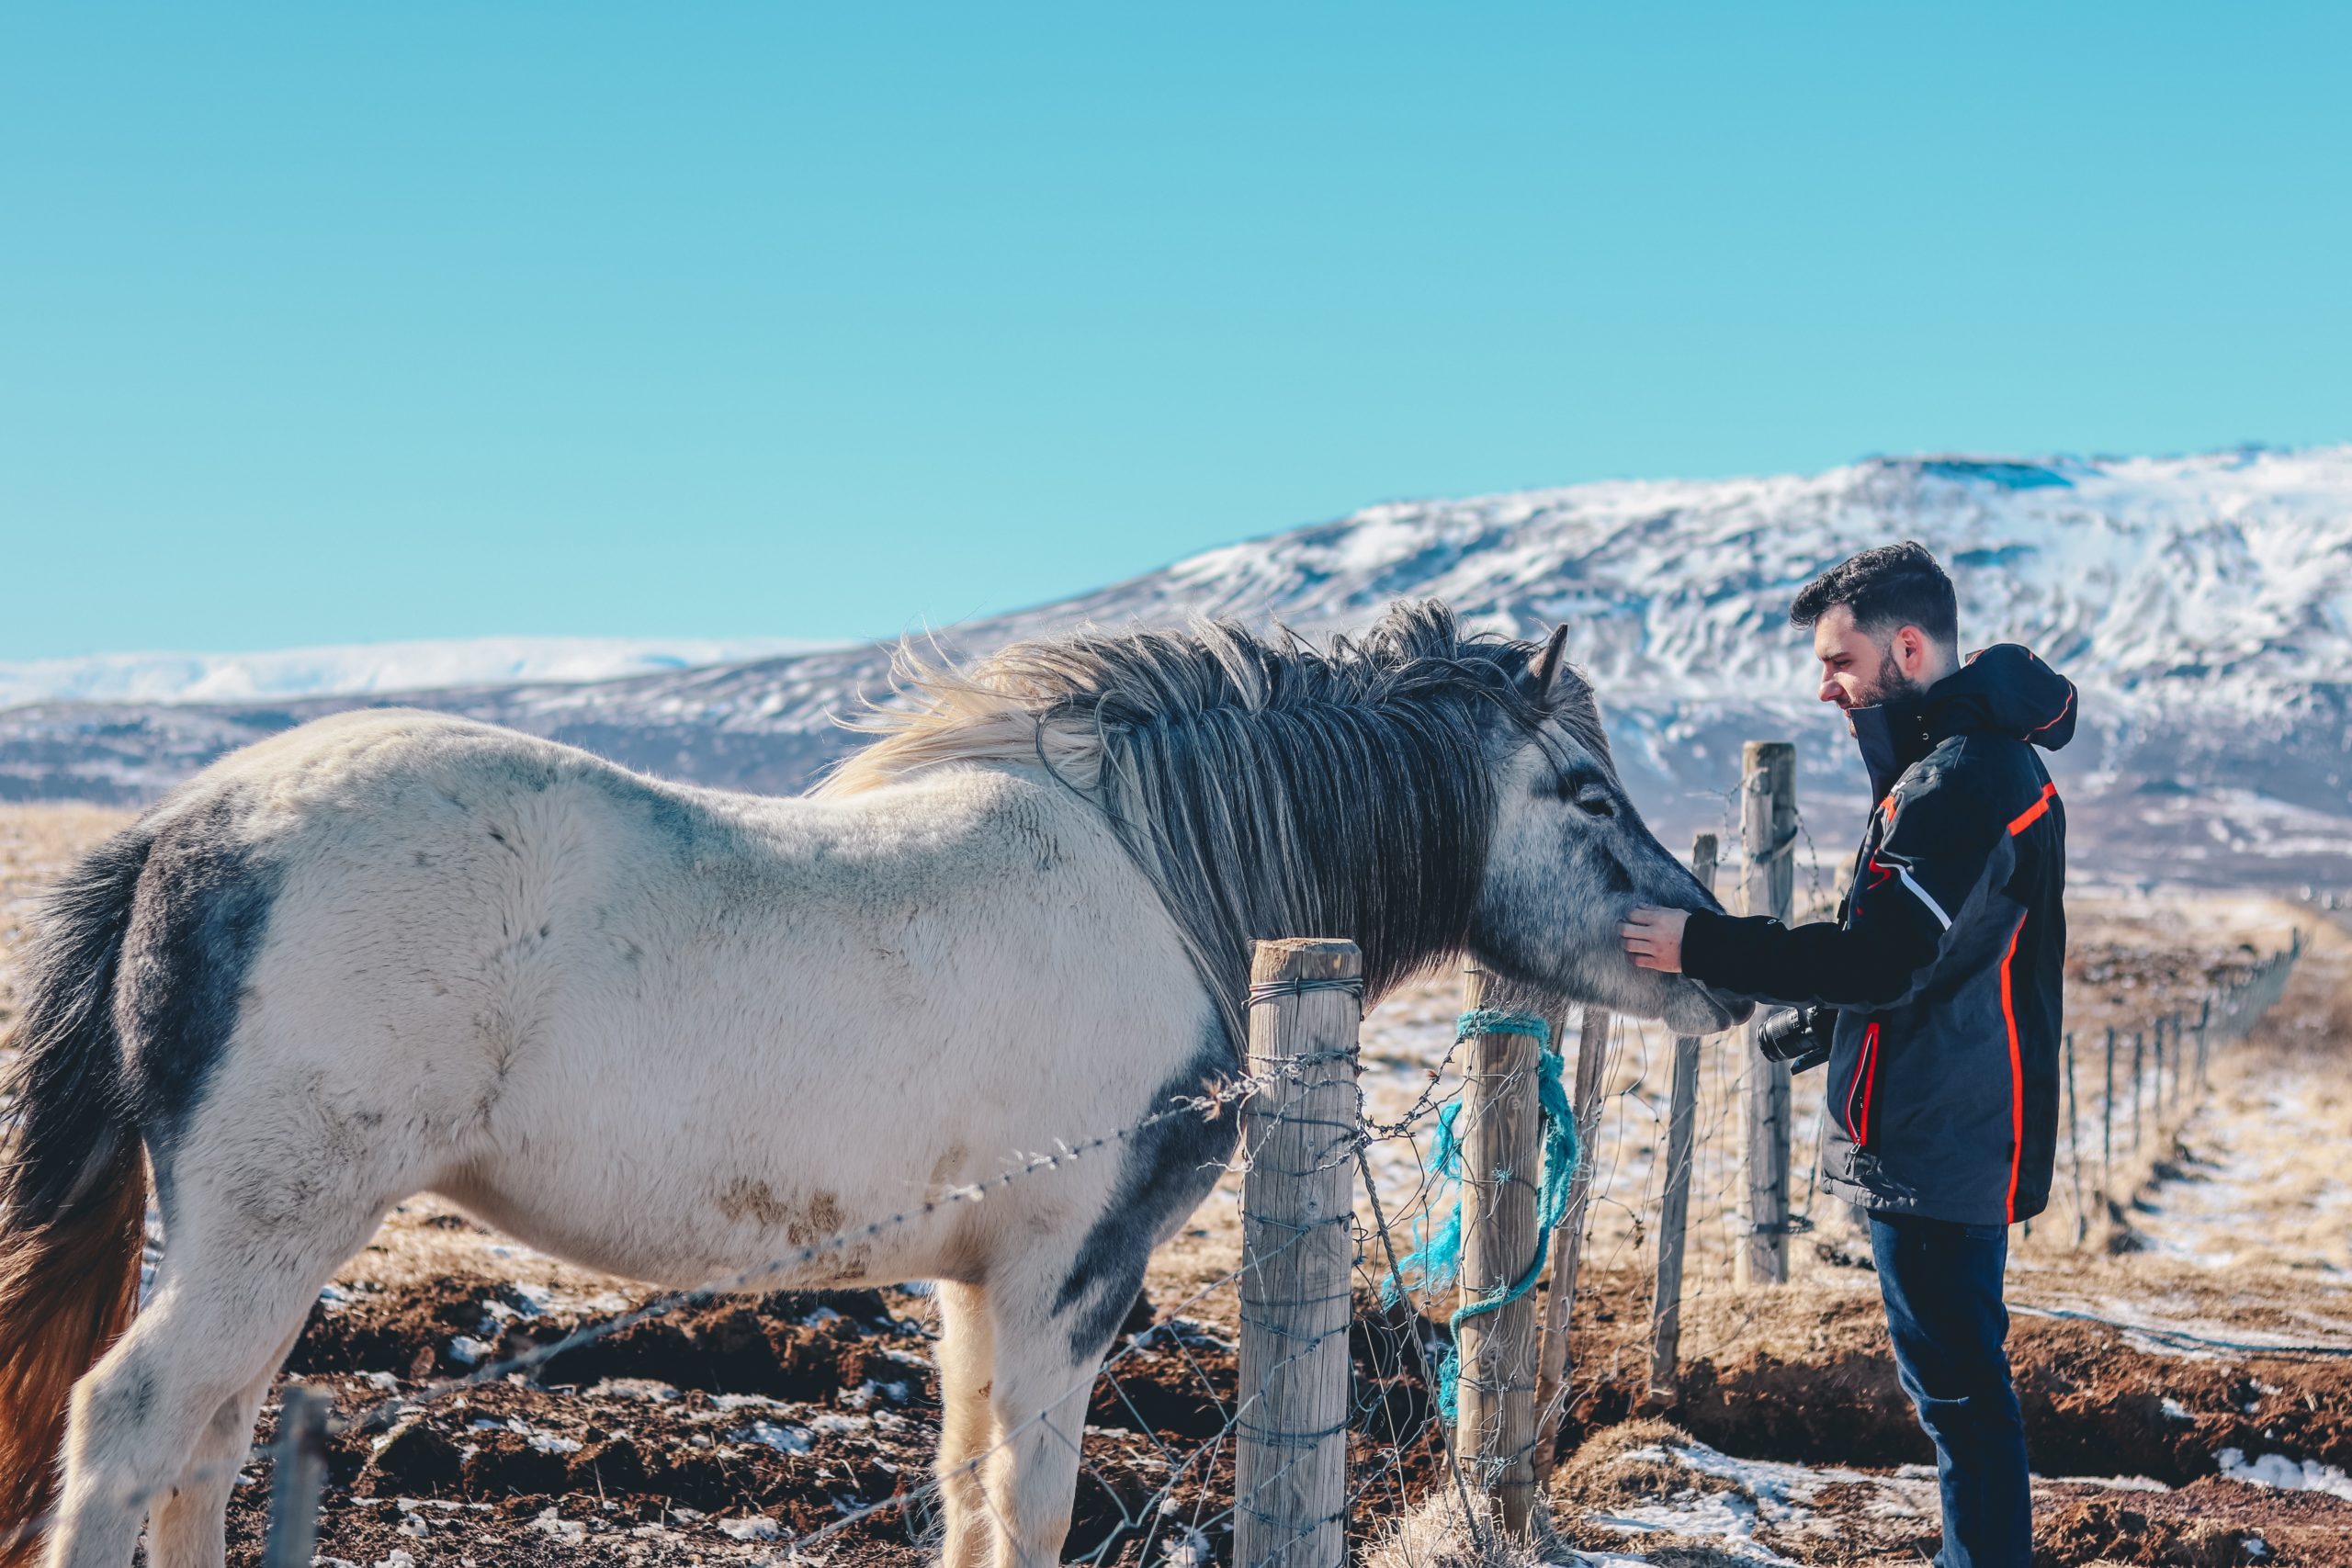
1438 1261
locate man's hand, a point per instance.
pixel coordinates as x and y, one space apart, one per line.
1653 938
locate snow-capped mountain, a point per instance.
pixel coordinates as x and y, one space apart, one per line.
366 669
2204 605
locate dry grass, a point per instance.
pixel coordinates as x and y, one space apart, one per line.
1622 1466
37 842
1436 1534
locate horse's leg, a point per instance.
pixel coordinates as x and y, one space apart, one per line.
227 1300
1045 1366
967 1423
189 1527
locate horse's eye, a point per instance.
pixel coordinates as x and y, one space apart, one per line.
1587 797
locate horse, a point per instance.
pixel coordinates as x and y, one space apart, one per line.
672 1034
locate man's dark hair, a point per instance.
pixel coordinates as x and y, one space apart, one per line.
1888 588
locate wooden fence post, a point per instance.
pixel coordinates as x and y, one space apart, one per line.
1299 1134
2074 1144
1501 1160
1567 1242
297 1474
1768 828
2139 1079
2107 1121
1674 1210
2204 1019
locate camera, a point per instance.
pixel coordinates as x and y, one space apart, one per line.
1799 1036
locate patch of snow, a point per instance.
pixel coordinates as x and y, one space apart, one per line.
756 1527
1762 1492
546 1443
650 1390
571 1533
863 1396
468 1352
784 1440
2175 1411
2285 1474
1190 1549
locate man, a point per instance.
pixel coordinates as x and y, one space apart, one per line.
1942 971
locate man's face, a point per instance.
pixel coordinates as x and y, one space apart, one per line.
1856 670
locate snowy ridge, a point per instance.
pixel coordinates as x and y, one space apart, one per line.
366 669
2204 604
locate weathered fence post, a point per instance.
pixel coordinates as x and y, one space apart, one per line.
2107 1121
1501 1167
298 1474
2074 1144
2204 1020
1768 828
1298 1131
2139 1080
1567 1243
1674 1210
2157 1115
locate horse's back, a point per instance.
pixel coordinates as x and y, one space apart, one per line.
351 933
654 1028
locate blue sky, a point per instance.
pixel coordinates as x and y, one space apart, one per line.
343 322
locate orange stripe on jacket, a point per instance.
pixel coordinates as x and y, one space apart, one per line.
2032 814
2064 708
2016 1075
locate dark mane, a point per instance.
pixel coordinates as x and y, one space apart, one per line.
1268 787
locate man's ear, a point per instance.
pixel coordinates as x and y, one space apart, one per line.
1914 651
1544 674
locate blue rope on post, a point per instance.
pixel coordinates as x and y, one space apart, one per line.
1439 1261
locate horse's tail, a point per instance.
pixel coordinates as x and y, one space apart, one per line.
73 1180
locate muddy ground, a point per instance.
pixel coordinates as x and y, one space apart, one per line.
750 1430
727 1429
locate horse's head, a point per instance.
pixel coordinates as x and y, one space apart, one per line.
1569 857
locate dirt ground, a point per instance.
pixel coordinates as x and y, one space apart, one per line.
2180 1364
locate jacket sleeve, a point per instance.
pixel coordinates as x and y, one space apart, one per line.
1898 918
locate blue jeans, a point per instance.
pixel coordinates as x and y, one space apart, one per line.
1941 1283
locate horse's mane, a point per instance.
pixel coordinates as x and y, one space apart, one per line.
1268 787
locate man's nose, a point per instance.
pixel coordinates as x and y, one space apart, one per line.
1828 693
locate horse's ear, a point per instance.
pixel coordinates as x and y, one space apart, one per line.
1544 674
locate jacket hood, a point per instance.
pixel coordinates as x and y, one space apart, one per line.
2006 690
2003 690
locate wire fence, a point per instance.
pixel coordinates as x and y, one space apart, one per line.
1158 1430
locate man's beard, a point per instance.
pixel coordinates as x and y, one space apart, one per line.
1888 685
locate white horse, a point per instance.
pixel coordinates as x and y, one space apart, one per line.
670 1033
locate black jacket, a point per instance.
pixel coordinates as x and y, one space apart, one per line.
1946 962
